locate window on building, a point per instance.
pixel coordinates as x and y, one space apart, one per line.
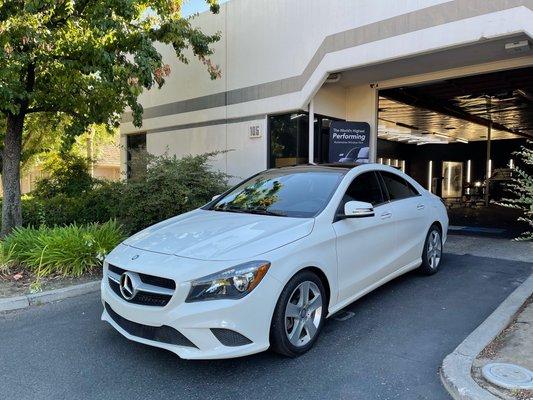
397 187
136 155
364 187
289 138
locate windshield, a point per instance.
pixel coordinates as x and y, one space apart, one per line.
288 193
351 153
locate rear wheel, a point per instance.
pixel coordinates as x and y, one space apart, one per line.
299 315
432 254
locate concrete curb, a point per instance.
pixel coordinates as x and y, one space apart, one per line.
18 302
455 372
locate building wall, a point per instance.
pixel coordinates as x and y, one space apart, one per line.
241 155
275 56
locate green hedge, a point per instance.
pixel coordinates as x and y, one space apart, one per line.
169 187
98 205
68 231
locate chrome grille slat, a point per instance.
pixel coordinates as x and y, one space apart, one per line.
114 277
144 287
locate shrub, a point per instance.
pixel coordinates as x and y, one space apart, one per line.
169 187
70 250
97 205
522 189
6 258
68 176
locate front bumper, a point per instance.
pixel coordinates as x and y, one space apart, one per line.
249 316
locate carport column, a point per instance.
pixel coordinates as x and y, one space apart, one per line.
488 168
362 106
311 132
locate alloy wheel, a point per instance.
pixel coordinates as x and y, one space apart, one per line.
303 313
434 249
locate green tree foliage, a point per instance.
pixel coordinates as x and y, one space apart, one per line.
522 189
84 59
42 134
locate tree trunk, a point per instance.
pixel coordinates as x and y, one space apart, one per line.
11 204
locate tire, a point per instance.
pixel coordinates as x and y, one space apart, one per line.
291 332
432 254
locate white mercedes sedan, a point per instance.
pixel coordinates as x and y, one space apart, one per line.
264 264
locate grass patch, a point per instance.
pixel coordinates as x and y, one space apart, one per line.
70 250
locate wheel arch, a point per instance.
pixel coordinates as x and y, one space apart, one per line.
438 224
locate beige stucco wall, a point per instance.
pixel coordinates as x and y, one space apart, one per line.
275 56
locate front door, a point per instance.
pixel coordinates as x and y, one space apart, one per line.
364 245
410 212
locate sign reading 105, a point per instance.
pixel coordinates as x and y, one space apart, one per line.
255 131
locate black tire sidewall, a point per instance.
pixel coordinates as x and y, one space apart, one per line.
426 267
278 339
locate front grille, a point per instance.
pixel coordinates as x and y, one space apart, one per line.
230 338
144 297
149 279
163 334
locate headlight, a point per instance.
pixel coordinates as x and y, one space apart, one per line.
232 283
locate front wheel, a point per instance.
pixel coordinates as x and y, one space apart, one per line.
299 315
432 254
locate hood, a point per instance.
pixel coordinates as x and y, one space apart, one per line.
216 235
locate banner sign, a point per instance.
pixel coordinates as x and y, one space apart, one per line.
349 142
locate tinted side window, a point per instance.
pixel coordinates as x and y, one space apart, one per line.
364 187
398 187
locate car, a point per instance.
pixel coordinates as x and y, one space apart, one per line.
264 264
355 155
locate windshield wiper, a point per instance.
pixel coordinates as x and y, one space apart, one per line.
258 211
231 209
263 211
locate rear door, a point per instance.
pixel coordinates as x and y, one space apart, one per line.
364 245
410 213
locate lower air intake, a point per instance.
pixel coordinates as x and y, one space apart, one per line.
163 334
230 338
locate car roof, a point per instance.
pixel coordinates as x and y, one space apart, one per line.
331 167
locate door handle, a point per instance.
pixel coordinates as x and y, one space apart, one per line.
420 207
386 215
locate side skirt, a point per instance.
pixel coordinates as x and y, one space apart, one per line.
415 264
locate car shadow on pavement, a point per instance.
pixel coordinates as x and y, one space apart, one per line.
396 337
391 347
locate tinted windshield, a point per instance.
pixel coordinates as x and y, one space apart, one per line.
287 193
351 153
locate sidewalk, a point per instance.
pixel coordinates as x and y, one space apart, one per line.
490 247
514 346
505 336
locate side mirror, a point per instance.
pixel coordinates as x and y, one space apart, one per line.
341 155
357 209
216 196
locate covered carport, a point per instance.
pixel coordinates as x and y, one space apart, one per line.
458 137
452 118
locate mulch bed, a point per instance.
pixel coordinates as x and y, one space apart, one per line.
18 281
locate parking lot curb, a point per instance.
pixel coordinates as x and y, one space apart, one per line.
456 368
19 302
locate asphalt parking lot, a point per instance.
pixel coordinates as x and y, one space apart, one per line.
389 348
